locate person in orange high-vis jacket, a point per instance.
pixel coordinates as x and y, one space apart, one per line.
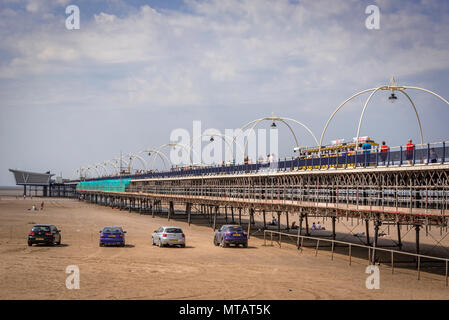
410 148
384 151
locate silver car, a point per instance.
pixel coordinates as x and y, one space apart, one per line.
168 236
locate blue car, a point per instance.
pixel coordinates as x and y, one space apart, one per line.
112 236
231 234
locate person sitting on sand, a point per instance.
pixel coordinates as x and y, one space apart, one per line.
42 205
314 226
318 226
359 234
294 226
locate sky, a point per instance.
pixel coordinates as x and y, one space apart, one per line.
135 70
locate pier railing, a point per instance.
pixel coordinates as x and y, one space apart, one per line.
425 154
371 257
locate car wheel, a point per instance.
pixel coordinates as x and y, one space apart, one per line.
30 243
59 241
122 244
183 245
152 241
160 243
223 243
245 245
101 245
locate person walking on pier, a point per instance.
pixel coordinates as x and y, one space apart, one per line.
433 157
384 152
366 147
410 149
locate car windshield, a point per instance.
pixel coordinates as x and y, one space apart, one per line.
40 228
233 228
173 230
112 230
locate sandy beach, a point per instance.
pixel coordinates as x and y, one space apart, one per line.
200 271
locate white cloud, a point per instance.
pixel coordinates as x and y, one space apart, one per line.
34 6
227 52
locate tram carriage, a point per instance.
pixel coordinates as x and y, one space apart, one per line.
341 154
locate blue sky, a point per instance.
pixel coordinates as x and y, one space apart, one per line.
138 69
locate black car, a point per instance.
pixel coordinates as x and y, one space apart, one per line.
231 234
44 233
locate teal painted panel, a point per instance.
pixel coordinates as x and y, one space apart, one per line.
117 185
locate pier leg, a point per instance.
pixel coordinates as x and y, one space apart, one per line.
307 226
209 214
152 204
188 211
417 228
232 215
226 213
264 220
279 221
399 235
215 217
301 218
333 228
376 236
367 232
249 221
171 210
286 216
240 216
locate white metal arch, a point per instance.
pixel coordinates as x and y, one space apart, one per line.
185 147
103 167
113 165
94 167
402 89
393 87
83 172
74 173
136 156
223 137
338 109
157 153
254 123
117 161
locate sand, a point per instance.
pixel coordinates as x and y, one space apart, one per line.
199 271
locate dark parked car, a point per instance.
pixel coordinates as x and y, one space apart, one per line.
112 236
231 234
44 233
